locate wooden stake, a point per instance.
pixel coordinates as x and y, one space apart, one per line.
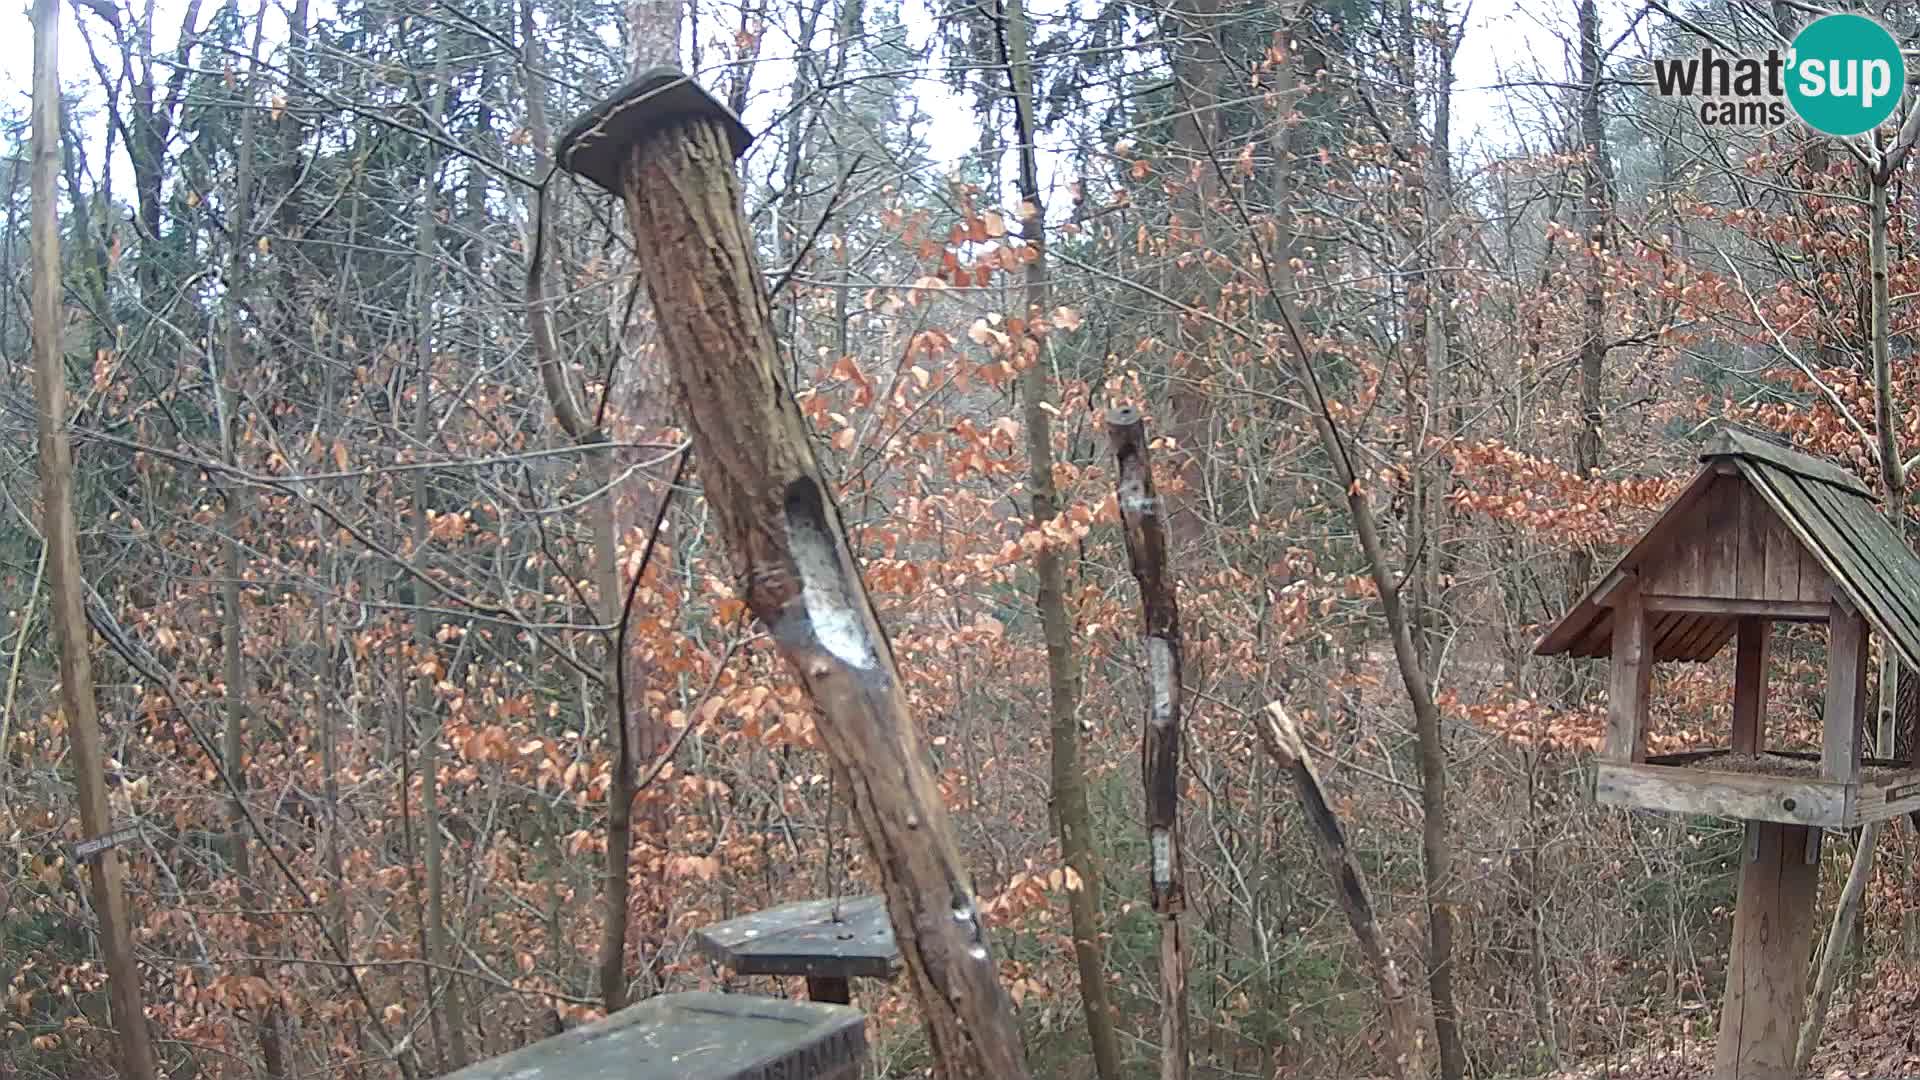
1143 522
668 149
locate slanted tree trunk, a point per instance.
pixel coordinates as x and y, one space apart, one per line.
1838 935
1142 519
1282 740
65 577
1070 813
1435 842
797 573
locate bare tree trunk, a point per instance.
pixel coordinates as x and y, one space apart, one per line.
1893 478
65 576
1595 207
226 386
628 735
426 670
1282 740
1142 517
1070 811
797 573
1435 844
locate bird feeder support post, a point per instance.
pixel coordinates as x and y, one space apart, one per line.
667 149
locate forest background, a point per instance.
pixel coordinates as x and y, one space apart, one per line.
370 522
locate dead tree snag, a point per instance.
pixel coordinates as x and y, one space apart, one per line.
1143 522
667 149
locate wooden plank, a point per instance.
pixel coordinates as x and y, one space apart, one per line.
1815 583
1685 757
1887 797
1598 641
1781 610
1752 521
1893 572
1878 571
1720 638
1718 540
1782 557
1746 796
697 1036
1667 631
1844 724
1750 685
1697 645
1765 997
1630 677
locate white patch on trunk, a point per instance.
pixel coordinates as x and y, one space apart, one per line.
1160 671
836 623
1162 844
836 626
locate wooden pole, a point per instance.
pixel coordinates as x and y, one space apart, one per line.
1765 1000
1143 522
65 577
668 148
1404 1036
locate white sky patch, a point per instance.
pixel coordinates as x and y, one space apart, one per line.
1536 32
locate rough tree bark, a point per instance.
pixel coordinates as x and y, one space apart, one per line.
65 577
1070 813
1142 521
668 148
1282 740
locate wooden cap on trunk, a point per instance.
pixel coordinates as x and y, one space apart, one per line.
597 145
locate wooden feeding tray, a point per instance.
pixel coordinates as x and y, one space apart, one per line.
697 1036
828 941
1777 786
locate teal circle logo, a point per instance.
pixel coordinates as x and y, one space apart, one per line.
1846 74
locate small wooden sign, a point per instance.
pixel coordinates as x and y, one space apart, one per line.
87 849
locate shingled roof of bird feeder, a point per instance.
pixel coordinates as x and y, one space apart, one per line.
1829 511
597 145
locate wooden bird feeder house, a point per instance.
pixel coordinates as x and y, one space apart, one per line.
1763 534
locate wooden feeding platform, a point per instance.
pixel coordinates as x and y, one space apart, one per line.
828 941
1763 534
1777 786
696 1036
